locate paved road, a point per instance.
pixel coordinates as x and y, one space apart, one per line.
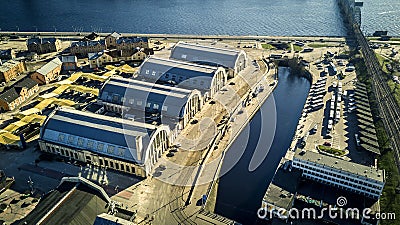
165 195
176 36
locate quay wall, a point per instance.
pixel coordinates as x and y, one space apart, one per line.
176 36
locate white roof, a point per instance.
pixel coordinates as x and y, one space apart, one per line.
48 67
206 54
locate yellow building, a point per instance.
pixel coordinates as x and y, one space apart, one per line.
43 45
111 41
103 58
11 69
48 73
19 93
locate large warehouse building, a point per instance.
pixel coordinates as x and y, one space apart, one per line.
232 60
209 80
151 103
119 144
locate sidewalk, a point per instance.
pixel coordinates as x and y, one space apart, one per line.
165 194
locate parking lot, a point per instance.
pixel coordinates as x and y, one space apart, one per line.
329 117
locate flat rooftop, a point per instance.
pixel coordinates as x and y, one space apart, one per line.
340 164
208 48
170 63
283 187
70 203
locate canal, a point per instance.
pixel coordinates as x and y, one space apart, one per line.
246 172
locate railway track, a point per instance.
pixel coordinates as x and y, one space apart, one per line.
389 111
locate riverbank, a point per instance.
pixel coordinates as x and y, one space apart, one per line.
177 36
251 161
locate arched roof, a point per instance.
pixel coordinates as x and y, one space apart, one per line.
184 74
206 54
89 130
130 92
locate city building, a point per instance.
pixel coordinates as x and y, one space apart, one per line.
132 55
7 54
281 193
360 179
119 144
43 45
17 94
151 103
209 80
11 69
117 41
111 41
233 61
49 72
74 201
69 62
84 47
91 37
289 193
100 59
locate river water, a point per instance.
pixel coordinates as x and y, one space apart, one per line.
233 17
240 190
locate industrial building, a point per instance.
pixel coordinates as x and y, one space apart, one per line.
76 201
233 61
151 103
120 144
209 80
360 179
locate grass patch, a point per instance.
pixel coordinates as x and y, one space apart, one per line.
395 90
331 150
267 46
297 48
393 86
390 201
383 61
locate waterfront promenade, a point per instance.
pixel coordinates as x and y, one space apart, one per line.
79 35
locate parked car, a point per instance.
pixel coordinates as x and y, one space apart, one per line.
357 139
